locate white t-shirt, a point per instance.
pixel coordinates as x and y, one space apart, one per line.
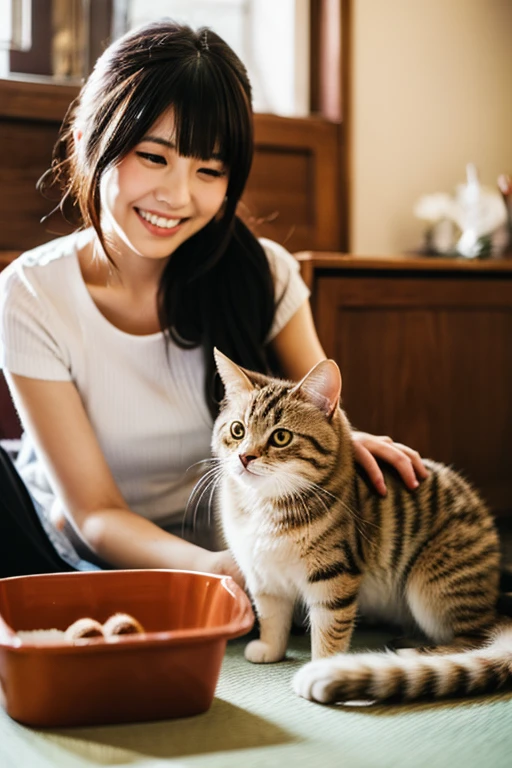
146 405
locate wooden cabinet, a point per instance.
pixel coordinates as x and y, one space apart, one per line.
425 349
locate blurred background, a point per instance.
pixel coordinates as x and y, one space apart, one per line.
420 87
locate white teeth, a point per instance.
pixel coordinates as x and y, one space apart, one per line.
159 221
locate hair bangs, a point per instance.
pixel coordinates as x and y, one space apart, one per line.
206 127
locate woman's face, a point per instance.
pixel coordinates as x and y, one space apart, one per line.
155 199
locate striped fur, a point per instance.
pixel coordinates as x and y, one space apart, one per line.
303 522
386 677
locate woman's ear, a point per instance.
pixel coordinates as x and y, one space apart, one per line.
77 138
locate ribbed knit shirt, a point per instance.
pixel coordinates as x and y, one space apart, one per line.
146 404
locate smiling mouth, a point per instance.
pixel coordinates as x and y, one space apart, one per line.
162 222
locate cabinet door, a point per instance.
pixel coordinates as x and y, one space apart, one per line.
427 360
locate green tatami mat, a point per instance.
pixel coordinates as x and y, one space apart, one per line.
256 720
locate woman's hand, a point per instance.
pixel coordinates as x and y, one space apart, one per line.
223 563
405 460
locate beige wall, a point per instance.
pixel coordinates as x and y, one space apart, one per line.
432 90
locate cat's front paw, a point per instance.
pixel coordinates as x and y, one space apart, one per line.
315 681
259 652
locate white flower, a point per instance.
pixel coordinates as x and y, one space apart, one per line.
434 208
480 210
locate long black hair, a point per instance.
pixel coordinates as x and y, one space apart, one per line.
217 288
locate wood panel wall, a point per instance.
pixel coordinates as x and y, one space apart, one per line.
293 194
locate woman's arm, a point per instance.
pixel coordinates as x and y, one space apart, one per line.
53 414
297 348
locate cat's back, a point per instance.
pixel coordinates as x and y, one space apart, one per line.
400 524
442 530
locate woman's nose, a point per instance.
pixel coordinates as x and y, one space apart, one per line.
175 188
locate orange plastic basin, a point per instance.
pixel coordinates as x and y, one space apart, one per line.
170 671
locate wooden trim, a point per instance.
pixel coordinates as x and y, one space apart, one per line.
100 32
317 139
312 260
269 128
39 60
330 83
315 8
325 58
35 99
346 137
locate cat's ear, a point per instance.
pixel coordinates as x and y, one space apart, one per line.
322 386
233 377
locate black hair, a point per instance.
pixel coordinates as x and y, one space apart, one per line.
217 288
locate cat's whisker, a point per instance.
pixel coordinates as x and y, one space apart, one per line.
262 471
307 518
203 479
316 492
211 460
206 487
359 523
198 491
214 486
323 490
288 484
322 502
301 507
287 489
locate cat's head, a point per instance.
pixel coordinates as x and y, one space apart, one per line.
277 437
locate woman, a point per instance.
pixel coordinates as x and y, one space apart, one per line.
107 334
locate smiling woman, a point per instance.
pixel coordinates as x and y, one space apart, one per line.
154 192
107 335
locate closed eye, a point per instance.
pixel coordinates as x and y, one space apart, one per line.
157 159
212 172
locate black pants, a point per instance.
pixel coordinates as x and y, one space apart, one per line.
24 546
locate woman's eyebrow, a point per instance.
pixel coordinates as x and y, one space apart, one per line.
172 145
159 140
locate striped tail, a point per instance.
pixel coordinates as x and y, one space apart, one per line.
388 677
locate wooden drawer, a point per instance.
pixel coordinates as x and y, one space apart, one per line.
425 350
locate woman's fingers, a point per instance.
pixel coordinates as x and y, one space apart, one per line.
374 472
402 463
407 462
415 457
224 563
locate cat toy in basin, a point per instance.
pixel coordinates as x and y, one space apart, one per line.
170 670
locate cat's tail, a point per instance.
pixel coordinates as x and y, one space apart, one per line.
388 677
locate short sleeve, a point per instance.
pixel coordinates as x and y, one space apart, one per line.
290 289
28 343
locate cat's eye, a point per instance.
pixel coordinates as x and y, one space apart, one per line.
237 430
280 437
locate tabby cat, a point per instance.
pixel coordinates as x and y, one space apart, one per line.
303 521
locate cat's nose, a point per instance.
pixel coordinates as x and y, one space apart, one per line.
245 458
